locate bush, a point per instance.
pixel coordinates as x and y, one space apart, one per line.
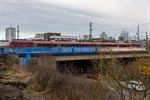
62 86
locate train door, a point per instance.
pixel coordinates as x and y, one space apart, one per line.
35 45
58 45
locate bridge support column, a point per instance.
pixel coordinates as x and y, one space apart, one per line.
26 58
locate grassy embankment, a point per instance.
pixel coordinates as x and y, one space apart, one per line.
44 80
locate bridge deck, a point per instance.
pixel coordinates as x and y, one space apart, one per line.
68 53
92 57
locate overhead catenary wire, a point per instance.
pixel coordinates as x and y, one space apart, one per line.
45 20
96 26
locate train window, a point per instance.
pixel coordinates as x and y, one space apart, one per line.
14 42
41 45
63 45
98 45
27 43
120 45
38 45
103 45
20 43
52 45
66 45
48 45
78 45
74 45
35 45
106 45
58 45
55 45
71 45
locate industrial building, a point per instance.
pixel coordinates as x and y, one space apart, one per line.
47 35
10 33
39 35
51 36
63 38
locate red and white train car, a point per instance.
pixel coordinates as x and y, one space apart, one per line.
101 46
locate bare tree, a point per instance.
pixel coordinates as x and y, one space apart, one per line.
85 37
103 35
127 81
123 36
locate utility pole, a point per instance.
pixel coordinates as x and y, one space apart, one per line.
138 33
127 37
90 36
79 38
147 45
18 32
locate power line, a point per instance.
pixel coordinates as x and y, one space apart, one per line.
120 24
39 20
105 26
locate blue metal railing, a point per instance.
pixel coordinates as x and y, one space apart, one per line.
36 50
28 52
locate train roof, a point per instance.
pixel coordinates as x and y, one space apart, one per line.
72 42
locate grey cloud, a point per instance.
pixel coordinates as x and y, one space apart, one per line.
35 17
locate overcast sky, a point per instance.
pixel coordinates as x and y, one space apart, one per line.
72 17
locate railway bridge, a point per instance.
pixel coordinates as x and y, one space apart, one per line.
69 54
101 56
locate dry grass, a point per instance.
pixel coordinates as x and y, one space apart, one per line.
45 78
62 86
125 70
13 71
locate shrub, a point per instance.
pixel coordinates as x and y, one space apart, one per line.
65 86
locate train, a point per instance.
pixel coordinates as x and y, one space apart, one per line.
99 46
